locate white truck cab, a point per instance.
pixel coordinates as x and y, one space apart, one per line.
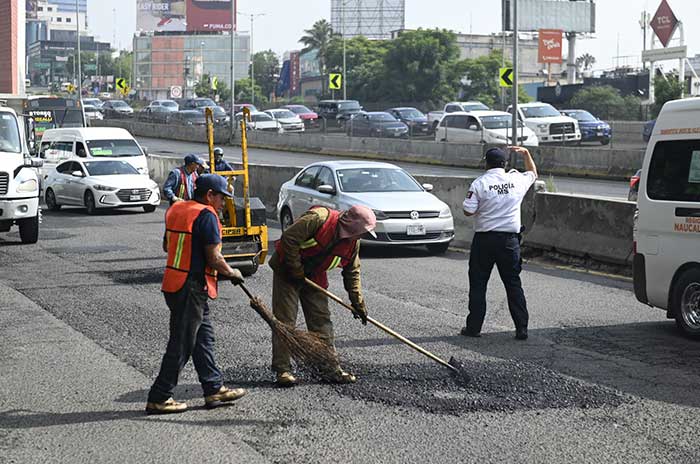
548 123
666 263
19 180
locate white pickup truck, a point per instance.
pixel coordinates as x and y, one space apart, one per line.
434 117
547 123
19 181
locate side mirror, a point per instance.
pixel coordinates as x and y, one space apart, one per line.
33 162
77 174
428 187
473 127
145 150
327 189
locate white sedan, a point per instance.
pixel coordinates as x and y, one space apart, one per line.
99 184
492 127
289 121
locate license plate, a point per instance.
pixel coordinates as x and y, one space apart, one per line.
417 229
600 133
134 197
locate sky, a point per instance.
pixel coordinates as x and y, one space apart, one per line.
618 39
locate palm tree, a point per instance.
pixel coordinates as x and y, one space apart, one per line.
586 60
318 38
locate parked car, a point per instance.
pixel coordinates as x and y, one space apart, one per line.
195 103
634 186
434 117
376 124
188 118
157 114
96 102
220 116
416 121
648 129
289 122
338 112
592 129
116 108
168 105
92 113
547 123
100 184
492 127
310 118
237 108
407 213
261 121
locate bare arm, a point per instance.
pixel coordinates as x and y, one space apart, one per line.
527 159
216 261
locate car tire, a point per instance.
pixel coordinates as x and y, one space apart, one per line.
286 219
50 199
90 203
605 142
29 229
438 248
149 208
685 302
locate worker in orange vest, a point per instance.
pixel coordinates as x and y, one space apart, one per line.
193 243
180 182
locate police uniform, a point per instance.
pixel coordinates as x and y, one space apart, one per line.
494 199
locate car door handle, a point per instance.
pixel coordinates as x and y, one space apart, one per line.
687 212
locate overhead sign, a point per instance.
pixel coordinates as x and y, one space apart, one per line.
161 15
175 91
533 15
660 54
664 23
550 44
208 15
506 77
335 81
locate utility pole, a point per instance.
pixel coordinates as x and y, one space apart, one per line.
342 31
252 58
514 90
233 66
80 78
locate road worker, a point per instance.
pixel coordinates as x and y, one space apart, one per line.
180 182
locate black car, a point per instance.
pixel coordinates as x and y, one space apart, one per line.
338 112
220 115
376 124
156 114
592 128
188 118
416 121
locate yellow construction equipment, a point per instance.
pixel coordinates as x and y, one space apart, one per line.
243 219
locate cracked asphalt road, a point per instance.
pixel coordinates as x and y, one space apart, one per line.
602 378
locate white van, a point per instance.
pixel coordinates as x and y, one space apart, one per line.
667 228
492 127
58 145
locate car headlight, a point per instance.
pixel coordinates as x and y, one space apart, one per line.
380 215
542 127
27 186
104 188
445 212
153 185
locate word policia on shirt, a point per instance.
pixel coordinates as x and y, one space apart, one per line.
502 189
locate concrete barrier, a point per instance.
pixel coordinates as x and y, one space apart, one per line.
627 132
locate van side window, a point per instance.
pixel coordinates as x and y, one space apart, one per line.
80 149
674 171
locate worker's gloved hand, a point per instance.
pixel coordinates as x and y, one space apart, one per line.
296 276
360 311
236 277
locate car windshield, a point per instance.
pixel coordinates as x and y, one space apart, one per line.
119 104
384 117
109 168
261 117
584 116
499 122
300 109
350 105
376 180
283 114
204 102
90 109
9 134
113 148
169 104
475 107
411 114
544 111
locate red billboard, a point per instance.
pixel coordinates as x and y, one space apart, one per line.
160 15
550 43
664 23
209 15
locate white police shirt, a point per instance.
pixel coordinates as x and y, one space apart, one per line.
495 198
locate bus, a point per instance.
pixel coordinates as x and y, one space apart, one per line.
51 112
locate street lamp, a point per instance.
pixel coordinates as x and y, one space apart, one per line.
252 61
79 76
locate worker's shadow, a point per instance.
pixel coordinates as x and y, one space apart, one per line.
380 251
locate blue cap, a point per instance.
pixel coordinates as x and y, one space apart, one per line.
213 182
191 158
495 155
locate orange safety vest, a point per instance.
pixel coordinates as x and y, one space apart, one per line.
182 190
179 220
316 256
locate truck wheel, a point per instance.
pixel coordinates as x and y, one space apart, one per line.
29 229
685 302
50 199
90 203
149 208
251 269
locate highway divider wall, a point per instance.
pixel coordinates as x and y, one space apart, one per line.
596 162
568 224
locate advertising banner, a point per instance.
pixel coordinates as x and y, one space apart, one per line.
208 15
294 74
664 23
160 15
309 65
549 46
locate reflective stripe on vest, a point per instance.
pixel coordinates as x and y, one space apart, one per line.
308 244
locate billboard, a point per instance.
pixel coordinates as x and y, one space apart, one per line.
533 15
549 50
208 15
294 74
31 9
161 15
309 65
664 23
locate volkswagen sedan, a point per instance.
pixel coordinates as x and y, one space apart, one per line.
407 213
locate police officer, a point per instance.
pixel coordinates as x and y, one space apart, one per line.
494 200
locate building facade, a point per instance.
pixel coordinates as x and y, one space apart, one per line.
48 59
12 53
374 19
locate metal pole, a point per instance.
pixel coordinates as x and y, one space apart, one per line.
514 90
252 63
342 27
681 74
80 78
233 66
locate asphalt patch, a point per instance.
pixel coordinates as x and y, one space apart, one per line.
153 275
52 234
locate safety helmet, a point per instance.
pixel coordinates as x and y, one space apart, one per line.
218 151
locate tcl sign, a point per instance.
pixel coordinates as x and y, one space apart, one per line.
664 23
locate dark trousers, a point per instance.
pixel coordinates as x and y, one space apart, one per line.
191 335
502 249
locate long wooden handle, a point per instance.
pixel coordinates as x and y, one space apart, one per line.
386 329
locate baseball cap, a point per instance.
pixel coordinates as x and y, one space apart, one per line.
213 182
191 158
495 155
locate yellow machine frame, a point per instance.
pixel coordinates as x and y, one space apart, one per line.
232 230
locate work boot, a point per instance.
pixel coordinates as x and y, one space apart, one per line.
469 333
341 377
285 379
169 406
521 334
224 395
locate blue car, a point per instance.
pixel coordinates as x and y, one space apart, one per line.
592 128
648 129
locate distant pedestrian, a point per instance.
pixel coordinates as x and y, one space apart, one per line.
180 182
494 199
220 164
193 243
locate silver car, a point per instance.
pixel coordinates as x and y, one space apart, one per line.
407 214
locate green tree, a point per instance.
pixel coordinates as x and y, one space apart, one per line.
479 79
606 103
666 88
364 65
123 65
318 38
266 69
243 94
205 88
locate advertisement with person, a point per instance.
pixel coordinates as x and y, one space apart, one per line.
161 15
209 15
